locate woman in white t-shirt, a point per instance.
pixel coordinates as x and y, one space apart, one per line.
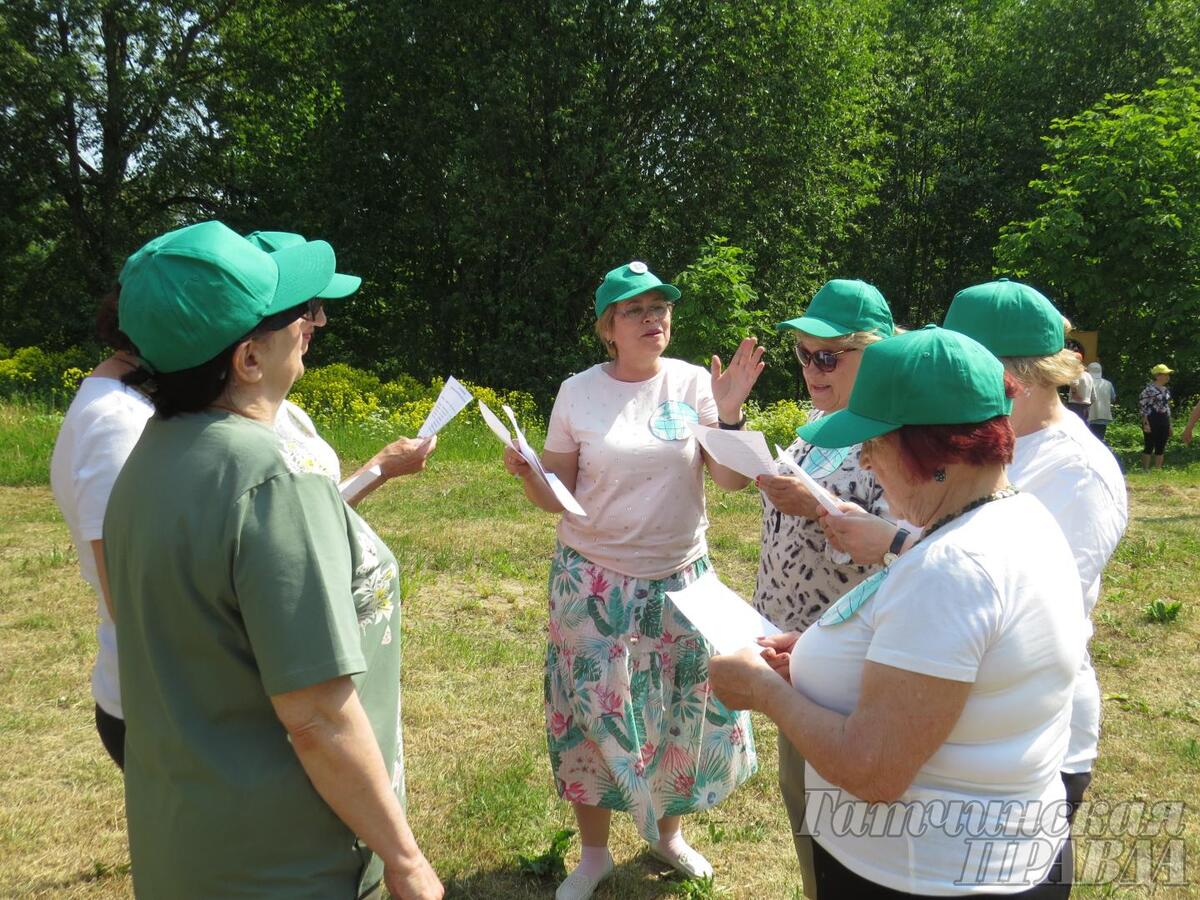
630 722
799 572
932 702
1059 461
103 422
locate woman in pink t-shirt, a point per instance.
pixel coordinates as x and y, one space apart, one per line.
630 721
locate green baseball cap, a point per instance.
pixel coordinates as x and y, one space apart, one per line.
270 241
927 377
1007 317
190 293
844 306
628 281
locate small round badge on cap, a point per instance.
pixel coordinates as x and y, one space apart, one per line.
637 267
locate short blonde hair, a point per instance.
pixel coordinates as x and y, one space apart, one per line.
604 329
1055 370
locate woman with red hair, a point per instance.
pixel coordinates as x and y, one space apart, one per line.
932 701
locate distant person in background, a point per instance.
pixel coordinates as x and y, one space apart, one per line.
1191 423
104 421
1099 414
1079 392
1154 405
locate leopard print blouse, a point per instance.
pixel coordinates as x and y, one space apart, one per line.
799 574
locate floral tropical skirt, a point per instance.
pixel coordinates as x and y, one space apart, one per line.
630 720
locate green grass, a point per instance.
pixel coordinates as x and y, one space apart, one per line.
475 559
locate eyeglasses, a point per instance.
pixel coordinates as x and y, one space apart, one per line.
639 311
308 310
825 360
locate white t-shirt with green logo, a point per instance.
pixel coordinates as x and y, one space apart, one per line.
235 578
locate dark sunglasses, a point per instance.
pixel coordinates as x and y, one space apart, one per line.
825 360
309 309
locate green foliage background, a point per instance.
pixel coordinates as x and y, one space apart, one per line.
482 164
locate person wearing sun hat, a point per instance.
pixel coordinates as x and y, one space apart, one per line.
302 445
257 614
630 724
1154 406
799 573
944 680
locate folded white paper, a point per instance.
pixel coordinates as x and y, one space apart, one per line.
743 451
565 497
352 486
725 619
448 405
822 496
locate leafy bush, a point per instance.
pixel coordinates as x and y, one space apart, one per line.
778 421
719 305
50 377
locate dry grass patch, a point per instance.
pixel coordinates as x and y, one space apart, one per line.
476 558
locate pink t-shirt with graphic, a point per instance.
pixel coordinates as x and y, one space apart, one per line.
641 476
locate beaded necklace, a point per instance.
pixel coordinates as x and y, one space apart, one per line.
848 605
1001 494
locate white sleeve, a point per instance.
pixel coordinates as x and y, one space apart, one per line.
935 616
560 436
706 404
104 445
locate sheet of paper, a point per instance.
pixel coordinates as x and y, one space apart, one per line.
352 486
495 424
565 497
822 496
728 621
449 404
743 451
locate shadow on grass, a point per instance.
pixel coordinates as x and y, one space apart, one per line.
642 877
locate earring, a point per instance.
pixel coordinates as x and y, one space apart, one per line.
939 474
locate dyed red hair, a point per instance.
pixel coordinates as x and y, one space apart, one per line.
925 448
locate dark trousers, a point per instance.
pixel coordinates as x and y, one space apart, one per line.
1154 441
1098 428
112 736
836 881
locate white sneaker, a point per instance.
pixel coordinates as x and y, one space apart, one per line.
690 862
579 885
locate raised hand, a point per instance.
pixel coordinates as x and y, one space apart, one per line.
732 386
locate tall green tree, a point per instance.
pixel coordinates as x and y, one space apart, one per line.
1116 235
101 104
505 155
967 91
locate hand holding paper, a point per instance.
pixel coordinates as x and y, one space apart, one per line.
561 494
819 493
